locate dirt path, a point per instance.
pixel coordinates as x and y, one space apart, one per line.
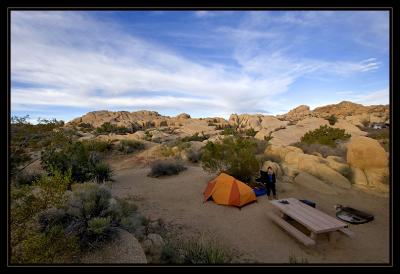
179 199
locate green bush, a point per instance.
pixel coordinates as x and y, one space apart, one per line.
99 146
250 132
52 225
197 250
293 260
325 135
25 178
52 247
18 157
130 146
165 168
28 202
107 128
234 156
84 164
102 173
196 137
229 131
332 119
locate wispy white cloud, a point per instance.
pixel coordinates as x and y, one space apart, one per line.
72 59
379 97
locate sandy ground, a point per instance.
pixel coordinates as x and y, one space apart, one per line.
178 199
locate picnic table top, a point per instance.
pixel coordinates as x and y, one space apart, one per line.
312 218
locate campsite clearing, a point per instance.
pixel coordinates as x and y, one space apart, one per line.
179 199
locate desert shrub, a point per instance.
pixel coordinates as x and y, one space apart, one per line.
91 214
27 202
324 150
196 137
26 178
229 131
211 124
234 155
167 151
194 156
269 137
18 157
365 123
86 125
197 250
250 132
83 163
348 173
325 135
99 146
332 119
165 168
107 128
26 135
102 173
148 135
130 146
293 260
52 247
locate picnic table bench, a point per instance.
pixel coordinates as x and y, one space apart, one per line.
316 221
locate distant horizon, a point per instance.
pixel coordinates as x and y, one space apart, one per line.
65 64
34 120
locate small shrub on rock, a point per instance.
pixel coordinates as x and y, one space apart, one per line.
130 146
165 168
325 135
332 119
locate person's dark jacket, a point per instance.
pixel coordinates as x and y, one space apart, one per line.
264 178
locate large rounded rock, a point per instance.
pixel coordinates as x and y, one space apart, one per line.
336 163
282 151
289 170
154 244
365 153
349 128
359 177
318 167
183 116
293 134
125 249
376 176
306 180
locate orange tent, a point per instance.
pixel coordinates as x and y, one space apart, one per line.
226 190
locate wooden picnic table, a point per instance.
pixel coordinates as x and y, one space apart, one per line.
316 221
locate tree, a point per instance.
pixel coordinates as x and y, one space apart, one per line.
234 156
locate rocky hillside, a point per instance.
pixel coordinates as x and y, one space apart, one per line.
345 110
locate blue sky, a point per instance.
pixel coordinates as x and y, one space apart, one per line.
205 63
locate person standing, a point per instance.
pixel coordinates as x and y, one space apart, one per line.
268 179
271 182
